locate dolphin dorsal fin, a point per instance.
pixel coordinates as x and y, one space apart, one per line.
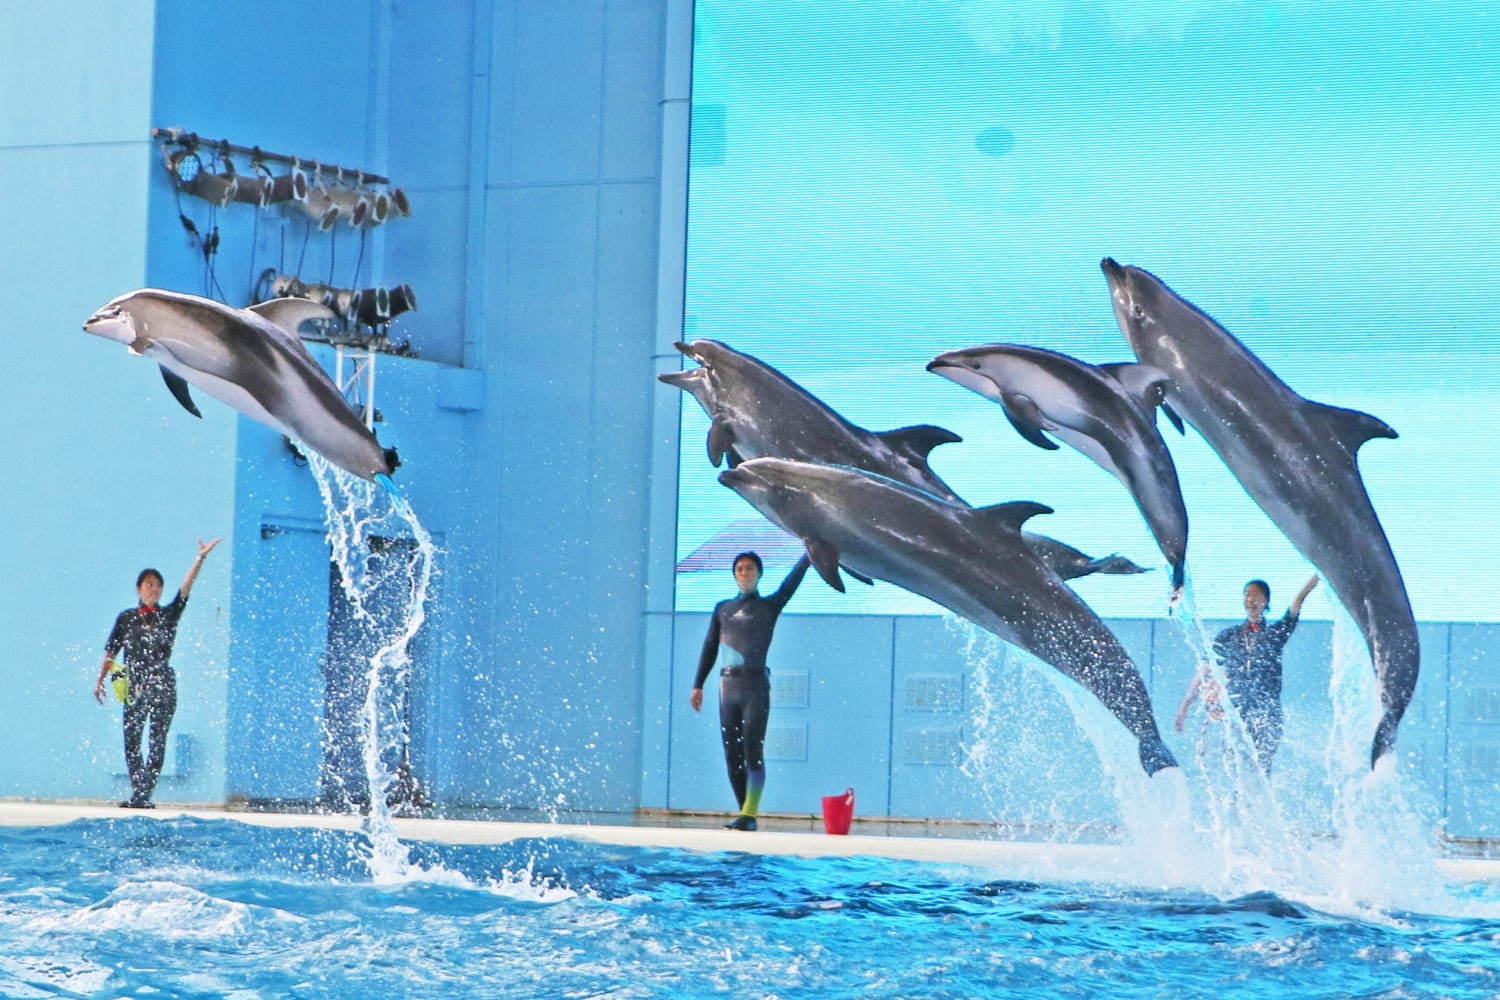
1145 383
1013 514
918 440
1351 427
290 313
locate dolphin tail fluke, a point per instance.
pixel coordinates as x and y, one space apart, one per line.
1115 565
1155 756
1179 576
1385 737
179 388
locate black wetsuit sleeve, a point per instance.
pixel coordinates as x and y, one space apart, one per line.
173 611
1284 628
1224 643
710 650
790 584
116 640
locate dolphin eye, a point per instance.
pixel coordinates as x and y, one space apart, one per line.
1137 311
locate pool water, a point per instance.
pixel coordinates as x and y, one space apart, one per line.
215 908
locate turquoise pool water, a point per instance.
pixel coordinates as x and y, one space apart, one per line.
207 908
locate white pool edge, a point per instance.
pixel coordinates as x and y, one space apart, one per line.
1067 861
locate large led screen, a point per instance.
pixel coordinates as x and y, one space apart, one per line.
874 182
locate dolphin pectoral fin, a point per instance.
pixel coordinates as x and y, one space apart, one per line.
825 559
1013 514
917 441
1176 420
1351 427
179 388
859 576
1027 419
720 439
1145 383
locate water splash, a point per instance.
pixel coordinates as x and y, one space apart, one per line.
356 512
1339 837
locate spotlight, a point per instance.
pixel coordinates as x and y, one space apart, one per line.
186 167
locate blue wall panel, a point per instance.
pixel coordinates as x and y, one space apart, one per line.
556 59
1474 732
101 478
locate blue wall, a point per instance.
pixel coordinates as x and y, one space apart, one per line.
527 138
102 477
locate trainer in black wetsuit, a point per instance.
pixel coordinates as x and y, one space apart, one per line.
143 638
739 637
1250 655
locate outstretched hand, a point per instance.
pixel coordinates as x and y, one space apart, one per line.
99 690
204 548
696 699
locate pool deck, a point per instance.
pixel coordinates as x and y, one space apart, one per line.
1037 859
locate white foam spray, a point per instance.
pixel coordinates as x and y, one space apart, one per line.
1349 840
355 511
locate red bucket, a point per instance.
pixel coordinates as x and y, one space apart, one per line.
838 812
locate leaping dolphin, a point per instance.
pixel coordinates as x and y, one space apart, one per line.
972 561
247 362
1107 412
1296 458
758 412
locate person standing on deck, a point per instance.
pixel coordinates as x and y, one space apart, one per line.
145 634
739 637
1250 654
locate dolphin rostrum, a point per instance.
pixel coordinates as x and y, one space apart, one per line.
758 412
970 560
1296 458
1108 413
248 362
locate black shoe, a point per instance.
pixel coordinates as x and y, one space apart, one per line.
138 804
741 822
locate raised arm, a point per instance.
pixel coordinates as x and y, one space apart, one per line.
1295 608
791 583
192 574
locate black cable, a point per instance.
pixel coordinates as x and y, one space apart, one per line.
360 260
306 232
254 238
